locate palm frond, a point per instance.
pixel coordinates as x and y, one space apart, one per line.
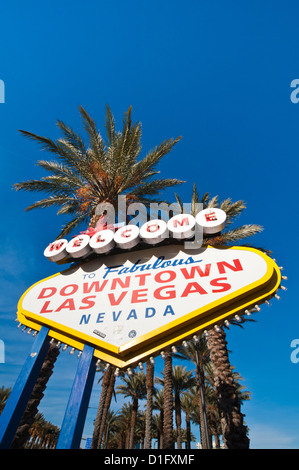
95 140
242 232
49 202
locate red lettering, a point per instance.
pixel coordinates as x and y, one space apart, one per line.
55 246
142 278
114 301
73 287
138 296
184 221
193 287
152 228
222 264
77 242
94 285
193 269
43 294
123 284
172 276
169 294
124 232
45 306
68 303
219 283
87 302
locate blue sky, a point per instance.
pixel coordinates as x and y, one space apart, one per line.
217 73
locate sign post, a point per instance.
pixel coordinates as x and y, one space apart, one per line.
74 418
16 404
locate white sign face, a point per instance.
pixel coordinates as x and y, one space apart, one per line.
123 300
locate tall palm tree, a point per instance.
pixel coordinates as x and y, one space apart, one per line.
182 380
187 404
168 438
86 174
107 402
104 389
123 423
134 386
149 403
197 352
234 431
23 430
158 404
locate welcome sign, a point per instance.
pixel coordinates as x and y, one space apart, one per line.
131 305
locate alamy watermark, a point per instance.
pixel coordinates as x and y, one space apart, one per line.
138 214
2 352
2 91
295 353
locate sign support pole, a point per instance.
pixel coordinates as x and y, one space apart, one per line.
16 404
75 414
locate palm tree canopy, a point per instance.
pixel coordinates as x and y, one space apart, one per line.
133 385
101 170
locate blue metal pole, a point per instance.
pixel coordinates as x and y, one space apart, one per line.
75 414
16 404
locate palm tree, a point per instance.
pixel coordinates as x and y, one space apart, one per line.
123 424
86 175
97 172
42 435
158 404
182 380
23 430
107 402
187 405
149 403
168 438
234 431
197 352
105 384
134 386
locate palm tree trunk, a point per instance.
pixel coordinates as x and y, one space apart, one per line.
178 420
133 422
168 442
98 420
233 429
108 399
149 404
22 433
204 438
161 434
188 431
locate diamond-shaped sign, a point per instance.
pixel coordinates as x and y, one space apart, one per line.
132 305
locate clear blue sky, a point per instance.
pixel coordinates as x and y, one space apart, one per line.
217 73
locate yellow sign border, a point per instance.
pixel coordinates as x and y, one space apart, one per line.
174 332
